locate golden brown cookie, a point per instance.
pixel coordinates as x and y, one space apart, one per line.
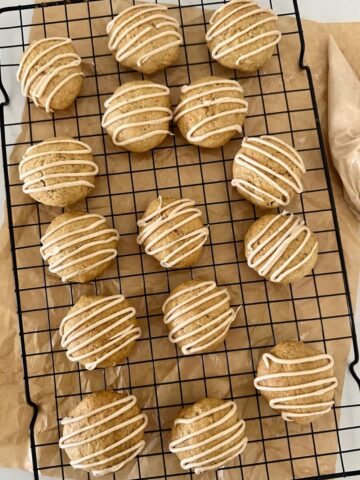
267 171
207 435
58 171
99 331
137 115
281 248
145 37
50 73
211 111
298 380
104 432
79 246
172 231
242 35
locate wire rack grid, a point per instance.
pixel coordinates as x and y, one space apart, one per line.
317 310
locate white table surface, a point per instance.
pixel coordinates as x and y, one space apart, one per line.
320 10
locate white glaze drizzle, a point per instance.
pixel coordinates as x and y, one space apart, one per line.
132 46
117 341
217 28
267 173
119 102
183 207
27 77
235 443
289 230
125 405
323 386
30 184
86 241
220 86
203 292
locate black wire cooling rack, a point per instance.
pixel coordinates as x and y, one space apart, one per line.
317 309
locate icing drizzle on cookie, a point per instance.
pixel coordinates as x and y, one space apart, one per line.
210 458
90 462
44 74
215 95
55 244
317 387
113 343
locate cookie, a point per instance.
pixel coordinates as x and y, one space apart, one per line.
172 231
79 246
198 315
297 380
99 331
242 35
104 432
281 248
211 111
267 171
137 115
145 38
207 435
58 171
50 73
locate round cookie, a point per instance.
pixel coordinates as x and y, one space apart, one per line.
211 111
267 171
79 246
198 315
207 435
104 432
172 231
281 248
58 171
137 115
242 35
298 380
50 73
145 38
99 331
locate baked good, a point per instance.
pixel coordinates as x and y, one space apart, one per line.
99 331
58 171
267 171
298 380
281 248
198 315
50 73
104 432
137 115
172 231
79 246
211 111
242 35
144 37
207 435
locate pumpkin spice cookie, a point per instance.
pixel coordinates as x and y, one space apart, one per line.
172 231
58 171
242 35
298 380
281 248
104 432
207 435
79 246
211 111
267 171
145 38
137 115
99 331
50 73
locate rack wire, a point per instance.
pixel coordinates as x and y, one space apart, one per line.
317 309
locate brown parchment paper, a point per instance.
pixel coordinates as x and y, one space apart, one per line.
253 325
